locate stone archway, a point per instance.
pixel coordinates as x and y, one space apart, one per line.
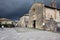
34 23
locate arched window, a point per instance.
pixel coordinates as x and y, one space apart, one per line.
33 9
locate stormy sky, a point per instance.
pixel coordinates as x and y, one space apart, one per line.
14 9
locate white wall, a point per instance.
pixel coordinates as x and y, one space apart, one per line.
50 12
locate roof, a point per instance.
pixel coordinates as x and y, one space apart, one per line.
4 19
51 7
46 5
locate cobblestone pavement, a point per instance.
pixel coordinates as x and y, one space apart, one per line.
27 34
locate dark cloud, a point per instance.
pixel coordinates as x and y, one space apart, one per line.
16 8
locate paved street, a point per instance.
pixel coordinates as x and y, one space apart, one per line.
8 34
27 34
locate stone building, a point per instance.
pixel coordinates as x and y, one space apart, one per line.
40 13
23 22
36 15
6 22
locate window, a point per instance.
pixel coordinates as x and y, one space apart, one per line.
33 9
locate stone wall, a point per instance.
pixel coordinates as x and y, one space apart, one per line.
51 25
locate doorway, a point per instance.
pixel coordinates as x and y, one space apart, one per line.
34 23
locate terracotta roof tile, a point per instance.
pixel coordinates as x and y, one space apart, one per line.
4 19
